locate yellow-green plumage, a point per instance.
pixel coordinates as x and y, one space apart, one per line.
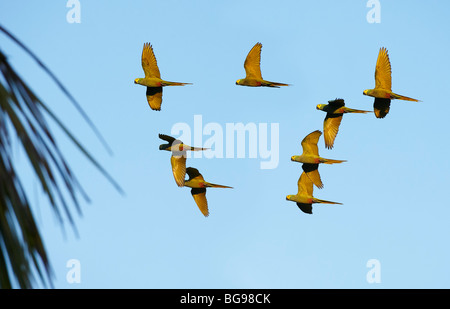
152 79
198 187
304 197
383 86
178 157
335 109
311 159
252 66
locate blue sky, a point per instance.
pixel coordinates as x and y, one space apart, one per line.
393 185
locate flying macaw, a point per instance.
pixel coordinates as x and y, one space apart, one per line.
311 159
304 197
383 86
152 79
335 109
252 68
198 189
178 158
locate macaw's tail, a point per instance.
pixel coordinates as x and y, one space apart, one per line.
402 97
194 148
351 110
316 200
213 185
273 84
331 161
166 83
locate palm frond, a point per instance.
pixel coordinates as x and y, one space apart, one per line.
22 116
60 85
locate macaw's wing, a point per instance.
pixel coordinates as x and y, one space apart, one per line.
331 128
193 172
178 169
199 195
305 185
381 107
309 143
383 71
306 208
154 97
312 171
252 62
335 104
149 63
167 138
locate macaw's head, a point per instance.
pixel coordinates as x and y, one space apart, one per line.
367 92
321 106
295 158
239 82
289 197
138 81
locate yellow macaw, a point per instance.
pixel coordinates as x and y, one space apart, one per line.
335 109
198 189
304 197
311 159
252 68
178 158
152 79
383 86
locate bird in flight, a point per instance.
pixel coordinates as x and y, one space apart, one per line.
178 158
311 159
304 197
152 79
383 86
335 109
198 189
252 68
